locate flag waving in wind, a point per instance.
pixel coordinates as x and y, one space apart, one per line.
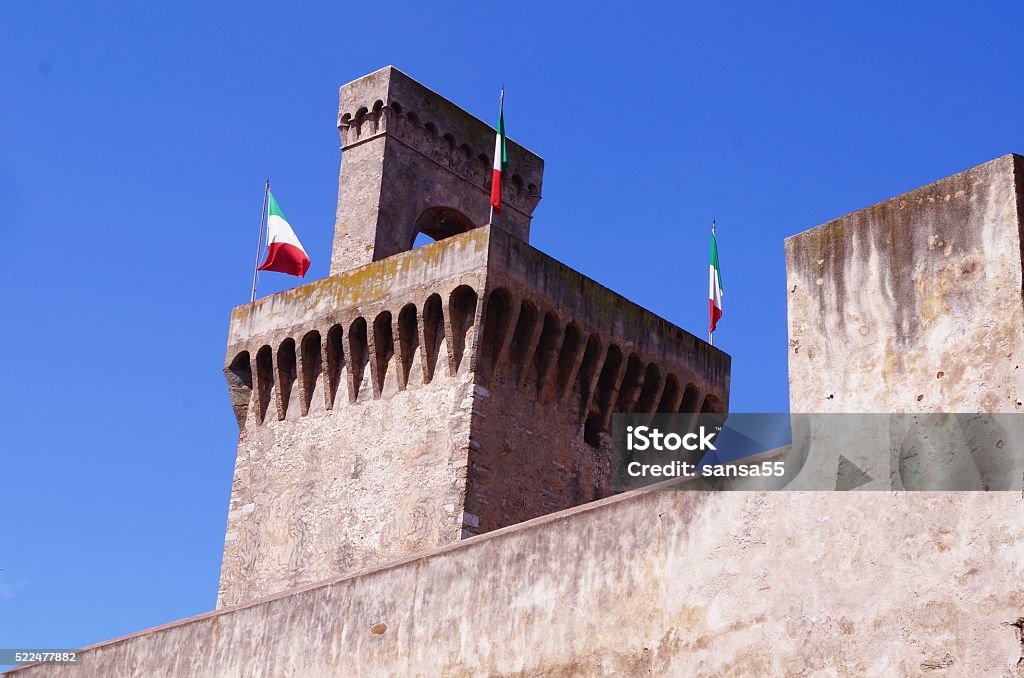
284 251
714 285
500 156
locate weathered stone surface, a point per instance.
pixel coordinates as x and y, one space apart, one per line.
913 304
444 392
649 583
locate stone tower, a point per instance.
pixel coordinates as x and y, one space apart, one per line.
420 396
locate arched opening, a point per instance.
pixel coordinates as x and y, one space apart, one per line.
712 413
462 313
572 340
383 348
688 407
358 121
608 383
286 373
335 363
239 376
264 381
651 390
438 223
629 389
359 356
522 337
498 318
312 367
670 396
712 405
689 403
408 342
588 372
376 116
433 334
547 349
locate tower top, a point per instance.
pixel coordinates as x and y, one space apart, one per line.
414 162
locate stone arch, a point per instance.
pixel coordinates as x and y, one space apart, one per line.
359 356
688 407
588 372
650 391
377 116
604 398
239 376
286 374
632 381
608 384
264 381
335 363
712 405
689 402
461 316
433 334
408 342
670 395
360 118
522 337
497 321
345 123
568 357
383 349
312 367
439 223
546 353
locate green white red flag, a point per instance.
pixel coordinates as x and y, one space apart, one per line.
714 284
500 156
285 253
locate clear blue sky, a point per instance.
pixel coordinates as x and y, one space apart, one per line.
135 146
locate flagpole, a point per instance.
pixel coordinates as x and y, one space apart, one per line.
259 242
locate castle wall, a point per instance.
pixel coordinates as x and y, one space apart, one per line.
913 304
645 583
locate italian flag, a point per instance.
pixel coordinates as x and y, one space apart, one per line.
284 251
500 157
714 284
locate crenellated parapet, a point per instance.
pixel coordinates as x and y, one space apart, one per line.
454 153
557 345
351 355
414 162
